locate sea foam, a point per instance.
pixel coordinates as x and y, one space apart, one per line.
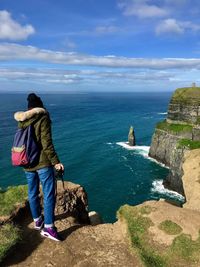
158 187
162 113
141 150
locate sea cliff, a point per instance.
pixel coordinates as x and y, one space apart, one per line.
178 133
152 234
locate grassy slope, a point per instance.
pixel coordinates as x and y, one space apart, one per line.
9 233
183 251
15 195
9 236
187 143
174 128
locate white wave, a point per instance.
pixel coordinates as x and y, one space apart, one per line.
158 187
159 163
141 150
127 146
109 143
162 113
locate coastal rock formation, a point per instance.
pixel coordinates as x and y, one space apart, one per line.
131 137
184 106
72 201
177 134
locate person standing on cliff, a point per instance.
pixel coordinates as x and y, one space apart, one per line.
43 171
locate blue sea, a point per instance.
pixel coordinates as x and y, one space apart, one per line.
90 132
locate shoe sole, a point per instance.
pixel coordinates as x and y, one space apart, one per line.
45 234
39 228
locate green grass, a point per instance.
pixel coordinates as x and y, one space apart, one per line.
182 252
16 195
187 143
9 236
145 210
137 228
174 128
170 228
187 95
185 248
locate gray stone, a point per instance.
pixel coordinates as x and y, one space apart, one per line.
183 112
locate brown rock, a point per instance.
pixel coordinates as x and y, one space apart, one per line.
191 179
71 201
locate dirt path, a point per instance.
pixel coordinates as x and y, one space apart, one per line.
83 246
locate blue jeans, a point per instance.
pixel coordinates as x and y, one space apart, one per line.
47 179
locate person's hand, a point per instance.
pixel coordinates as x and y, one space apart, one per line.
59 167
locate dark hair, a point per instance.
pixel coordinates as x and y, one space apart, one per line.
34 101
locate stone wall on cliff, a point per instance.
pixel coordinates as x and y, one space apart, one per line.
179 133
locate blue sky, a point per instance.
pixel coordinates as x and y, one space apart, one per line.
91 45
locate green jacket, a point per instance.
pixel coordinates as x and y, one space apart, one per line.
40 119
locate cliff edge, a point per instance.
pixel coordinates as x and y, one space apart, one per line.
180 132
83 245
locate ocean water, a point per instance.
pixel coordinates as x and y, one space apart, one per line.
90 133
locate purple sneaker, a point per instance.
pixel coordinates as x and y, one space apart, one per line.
51 232
39 224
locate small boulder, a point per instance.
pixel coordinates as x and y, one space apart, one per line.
95 218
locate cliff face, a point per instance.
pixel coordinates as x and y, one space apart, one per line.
184 106
179 133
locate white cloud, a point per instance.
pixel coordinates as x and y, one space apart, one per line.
19 52
169 26
11 29
56 76
176 27
142 9
93 79
188 25
168 10
40 75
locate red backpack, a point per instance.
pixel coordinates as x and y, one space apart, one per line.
25 151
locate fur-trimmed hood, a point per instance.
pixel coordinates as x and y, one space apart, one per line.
21 116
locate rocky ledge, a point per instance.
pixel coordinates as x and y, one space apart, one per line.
84 245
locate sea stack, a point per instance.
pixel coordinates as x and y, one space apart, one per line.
131 137
178 133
